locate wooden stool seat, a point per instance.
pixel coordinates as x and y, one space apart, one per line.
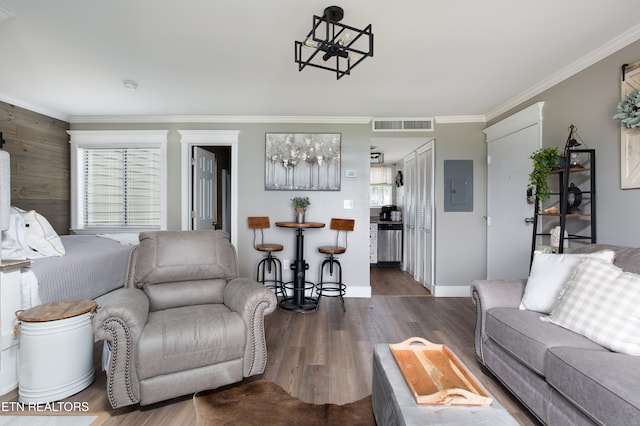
332 249
269 247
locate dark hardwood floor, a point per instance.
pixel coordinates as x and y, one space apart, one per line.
325 356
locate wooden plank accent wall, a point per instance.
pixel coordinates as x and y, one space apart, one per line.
40 163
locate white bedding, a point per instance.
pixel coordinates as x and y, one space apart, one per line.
91 267
64 267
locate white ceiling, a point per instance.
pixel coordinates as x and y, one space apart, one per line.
442 58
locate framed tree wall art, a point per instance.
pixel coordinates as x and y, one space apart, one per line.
302 161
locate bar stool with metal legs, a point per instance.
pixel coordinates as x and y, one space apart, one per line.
269 271
335 287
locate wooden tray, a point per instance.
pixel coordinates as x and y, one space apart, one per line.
436 376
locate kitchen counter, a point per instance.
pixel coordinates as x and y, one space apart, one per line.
374 219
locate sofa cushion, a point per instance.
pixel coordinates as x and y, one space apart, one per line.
605 385
184 338
627 258
527 338
602 303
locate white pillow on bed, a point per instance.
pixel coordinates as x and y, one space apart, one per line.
14 240
41 236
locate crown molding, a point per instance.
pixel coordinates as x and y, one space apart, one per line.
49 113
581 64
111 119
218 119
453 119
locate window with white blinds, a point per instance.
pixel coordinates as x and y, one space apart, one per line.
118 180
380 186
120 187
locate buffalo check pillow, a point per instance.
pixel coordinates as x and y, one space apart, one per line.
602 302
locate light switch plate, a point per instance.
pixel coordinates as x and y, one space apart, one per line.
348 204
350 173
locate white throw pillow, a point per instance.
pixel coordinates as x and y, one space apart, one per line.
549 273
41 236
602 302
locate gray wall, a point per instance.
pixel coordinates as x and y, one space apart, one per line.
588 100
461 236
254 200
458 235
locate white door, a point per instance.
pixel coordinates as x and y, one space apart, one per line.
424 217
509 235
409 214
204 189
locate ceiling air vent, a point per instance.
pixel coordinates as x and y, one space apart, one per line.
402 125
377 158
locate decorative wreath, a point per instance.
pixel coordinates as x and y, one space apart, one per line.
629 110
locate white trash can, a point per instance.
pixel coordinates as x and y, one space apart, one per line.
56 350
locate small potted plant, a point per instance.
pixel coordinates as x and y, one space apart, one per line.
300 204
544 160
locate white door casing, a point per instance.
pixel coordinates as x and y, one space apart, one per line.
510 142
190 138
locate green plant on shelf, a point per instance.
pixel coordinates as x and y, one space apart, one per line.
544 161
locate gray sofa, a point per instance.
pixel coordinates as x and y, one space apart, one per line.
184 322
562 377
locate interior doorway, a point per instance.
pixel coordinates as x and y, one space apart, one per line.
211 187
223 145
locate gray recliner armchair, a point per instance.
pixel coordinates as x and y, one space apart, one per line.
184 322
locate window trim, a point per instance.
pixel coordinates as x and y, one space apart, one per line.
115 139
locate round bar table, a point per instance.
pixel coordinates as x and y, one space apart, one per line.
299 303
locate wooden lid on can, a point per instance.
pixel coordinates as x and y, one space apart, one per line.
57 310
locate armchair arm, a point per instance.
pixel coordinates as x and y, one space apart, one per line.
252 301
487 294
121 321
131 268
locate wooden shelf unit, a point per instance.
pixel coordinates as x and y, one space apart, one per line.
564 178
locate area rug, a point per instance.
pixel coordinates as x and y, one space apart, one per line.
25 419
262 402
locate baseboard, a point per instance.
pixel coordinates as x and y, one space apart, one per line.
359 291
452 291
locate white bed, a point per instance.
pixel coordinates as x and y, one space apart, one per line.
61 268
67 267
92 266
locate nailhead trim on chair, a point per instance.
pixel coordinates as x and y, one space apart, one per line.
106 325
129 282
256 314
477 345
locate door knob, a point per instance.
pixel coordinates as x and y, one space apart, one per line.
529 220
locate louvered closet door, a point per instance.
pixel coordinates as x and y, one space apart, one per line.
424 208
409 213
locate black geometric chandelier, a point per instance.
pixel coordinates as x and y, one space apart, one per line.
333 46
